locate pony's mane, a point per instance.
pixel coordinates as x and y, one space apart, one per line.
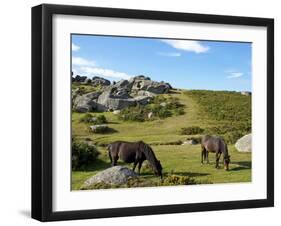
149 154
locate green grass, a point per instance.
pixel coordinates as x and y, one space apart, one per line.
181 160
177 159
85 88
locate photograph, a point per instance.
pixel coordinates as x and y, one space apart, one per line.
150 112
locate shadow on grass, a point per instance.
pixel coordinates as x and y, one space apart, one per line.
100 165
190 174
97 165
107 131
173 91
111 122
242 165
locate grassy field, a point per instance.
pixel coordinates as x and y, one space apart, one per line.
175 159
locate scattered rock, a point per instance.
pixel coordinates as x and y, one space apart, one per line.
244 144
116 112
163 104
150 115
246 93
116 175
98 128
93 119
190 142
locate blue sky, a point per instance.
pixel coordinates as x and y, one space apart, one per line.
184 64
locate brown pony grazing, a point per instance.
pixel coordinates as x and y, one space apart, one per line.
134 152
216 145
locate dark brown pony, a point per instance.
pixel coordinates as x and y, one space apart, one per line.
216 145
134 152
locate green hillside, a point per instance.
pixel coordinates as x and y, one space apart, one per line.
213 112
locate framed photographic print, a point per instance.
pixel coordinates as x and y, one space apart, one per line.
131 105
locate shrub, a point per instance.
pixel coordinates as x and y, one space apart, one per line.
160 106
86 118
232 137
83 154
162 112
173 179
192 130
89 118
179 111
101 119
173 103
132 114
100 129
224 106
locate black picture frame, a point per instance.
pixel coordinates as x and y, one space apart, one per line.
42 111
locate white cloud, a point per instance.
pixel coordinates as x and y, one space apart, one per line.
234 74
79 61
169 54
92 71
75 47
187 45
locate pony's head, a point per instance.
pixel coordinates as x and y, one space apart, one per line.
226 161
156 164
158 169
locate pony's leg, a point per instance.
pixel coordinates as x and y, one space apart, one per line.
114 162
139 167
203 155
218 155
110 158
135 164
207 157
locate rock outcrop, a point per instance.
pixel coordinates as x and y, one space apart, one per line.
122 94
86 103
116 175
244 144
98 81
95 81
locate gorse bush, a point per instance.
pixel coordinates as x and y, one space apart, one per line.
224 105
231 109
161 107
161 112
89 118
86 118
179 111
101 129
136 113
177 180
101 119
83 154
192 130
232 137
